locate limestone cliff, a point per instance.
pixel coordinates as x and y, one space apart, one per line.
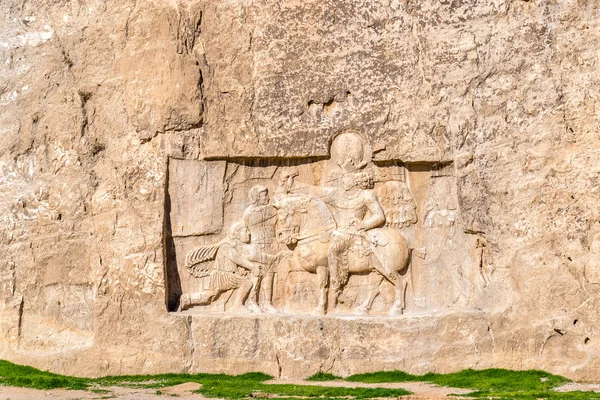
97 96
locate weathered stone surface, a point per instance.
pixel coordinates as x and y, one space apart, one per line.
291 346
97 98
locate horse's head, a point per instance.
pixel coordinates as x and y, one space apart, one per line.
291 214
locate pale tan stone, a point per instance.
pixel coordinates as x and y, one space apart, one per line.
486 111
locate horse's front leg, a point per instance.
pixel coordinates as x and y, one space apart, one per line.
323 278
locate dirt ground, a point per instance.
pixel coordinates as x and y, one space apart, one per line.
183 391
420 390
584 387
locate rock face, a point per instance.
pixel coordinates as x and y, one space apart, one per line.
132 132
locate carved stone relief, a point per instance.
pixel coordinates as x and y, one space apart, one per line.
334 236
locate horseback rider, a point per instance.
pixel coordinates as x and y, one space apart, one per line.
353 238
356 209
354 206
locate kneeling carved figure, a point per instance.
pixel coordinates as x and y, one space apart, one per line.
233 263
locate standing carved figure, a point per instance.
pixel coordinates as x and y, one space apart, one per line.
260 218
225 267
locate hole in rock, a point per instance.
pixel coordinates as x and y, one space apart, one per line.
329 103
98 148
575 322
587 340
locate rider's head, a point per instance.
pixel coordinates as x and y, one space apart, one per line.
349 151
258 194
238 231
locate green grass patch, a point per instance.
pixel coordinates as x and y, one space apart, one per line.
323 377
29 377
485 384
384 377
498 379
151 381
251 385
235 388
489 383
327 392
213 385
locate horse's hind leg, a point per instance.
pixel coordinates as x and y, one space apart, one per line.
399 285
366 305
323 278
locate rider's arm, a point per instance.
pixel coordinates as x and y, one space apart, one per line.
377 217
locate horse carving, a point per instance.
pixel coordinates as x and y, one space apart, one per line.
305 224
